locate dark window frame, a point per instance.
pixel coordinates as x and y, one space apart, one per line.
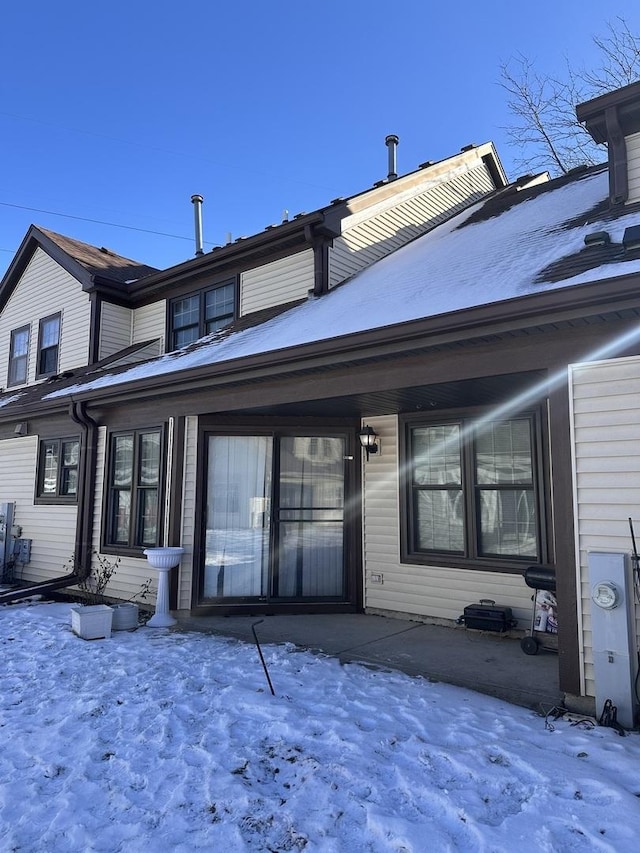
133 546
202 326
42 369
58 496
471 556
13 359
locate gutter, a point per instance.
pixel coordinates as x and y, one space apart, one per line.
37 588
402 338
233 254
83 548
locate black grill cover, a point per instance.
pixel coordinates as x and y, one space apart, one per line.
537 577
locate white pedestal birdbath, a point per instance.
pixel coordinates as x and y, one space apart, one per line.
163 560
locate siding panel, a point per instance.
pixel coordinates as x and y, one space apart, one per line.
115 329
606 430
48 287
276 283
51 528
364 241
431 592
149 323
633 165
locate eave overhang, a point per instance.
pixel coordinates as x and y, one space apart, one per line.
534 312
299 233
33 240
624 102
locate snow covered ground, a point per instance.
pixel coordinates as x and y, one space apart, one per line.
162 741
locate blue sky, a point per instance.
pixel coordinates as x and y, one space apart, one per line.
116 112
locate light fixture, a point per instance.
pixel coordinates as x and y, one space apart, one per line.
368 436
20 429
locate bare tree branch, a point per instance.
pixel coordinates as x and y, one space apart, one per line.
545 127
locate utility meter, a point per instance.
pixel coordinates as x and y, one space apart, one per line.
606 595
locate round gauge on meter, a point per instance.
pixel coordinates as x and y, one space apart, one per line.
606 595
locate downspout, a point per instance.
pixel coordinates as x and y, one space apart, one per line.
320 266
618 167
320 243
173 501
83 548
94 323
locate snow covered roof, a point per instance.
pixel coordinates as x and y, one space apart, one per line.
508 247
513 246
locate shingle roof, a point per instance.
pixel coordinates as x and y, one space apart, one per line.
100 262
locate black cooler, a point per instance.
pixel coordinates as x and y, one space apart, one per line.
488 616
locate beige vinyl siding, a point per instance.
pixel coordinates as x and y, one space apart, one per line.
633 167
51 528
606 440
149 323
369 236
115 329
185 578
431 592
45 288
276 283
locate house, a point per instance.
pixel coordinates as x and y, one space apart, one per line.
66 307
493 358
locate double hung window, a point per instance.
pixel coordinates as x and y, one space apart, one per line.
58 470
48 345
472 490
18 356
199 314
133 501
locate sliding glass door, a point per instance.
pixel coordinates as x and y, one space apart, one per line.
275 526
310 518
238 518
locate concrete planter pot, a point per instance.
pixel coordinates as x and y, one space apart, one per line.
91 622
125 616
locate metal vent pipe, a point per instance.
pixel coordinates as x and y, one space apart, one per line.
197 214
391 141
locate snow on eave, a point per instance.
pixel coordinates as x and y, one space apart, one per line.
448 270
5 401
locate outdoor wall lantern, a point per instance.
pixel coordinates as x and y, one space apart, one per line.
368 440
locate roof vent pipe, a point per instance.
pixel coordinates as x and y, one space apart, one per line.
197 214
391 141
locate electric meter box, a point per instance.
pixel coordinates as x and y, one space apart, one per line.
613 633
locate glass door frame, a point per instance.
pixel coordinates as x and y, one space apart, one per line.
352 515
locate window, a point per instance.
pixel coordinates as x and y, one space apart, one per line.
472 491
134 489
202 313
58 469
48 345
18 356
